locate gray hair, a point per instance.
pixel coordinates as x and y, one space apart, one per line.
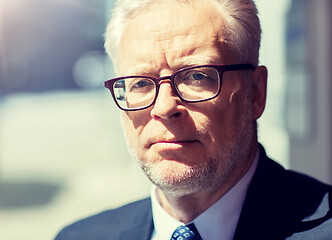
242 31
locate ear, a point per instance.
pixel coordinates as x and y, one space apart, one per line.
259 83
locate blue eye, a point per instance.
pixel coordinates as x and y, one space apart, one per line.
141 84
194 75
198 76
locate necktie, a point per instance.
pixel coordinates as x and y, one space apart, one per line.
186 232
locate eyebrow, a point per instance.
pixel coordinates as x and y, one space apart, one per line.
195 61
139 69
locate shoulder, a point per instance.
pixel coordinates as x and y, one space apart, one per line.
288 203
108 223
311 202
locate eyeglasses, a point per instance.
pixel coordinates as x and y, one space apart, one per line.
192 84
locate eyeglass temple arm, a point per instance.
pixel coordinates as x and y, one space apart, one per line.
237 67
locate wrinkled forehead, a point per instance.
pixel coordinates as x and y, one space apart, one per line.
172 29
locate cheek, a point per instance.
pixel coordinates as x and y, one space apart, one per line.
130 131
134 124
218 121
138 119
208 122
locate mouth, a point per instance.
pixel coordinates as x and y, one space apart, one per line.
172 144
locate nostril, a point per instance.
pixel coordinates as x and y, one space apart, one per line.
177 114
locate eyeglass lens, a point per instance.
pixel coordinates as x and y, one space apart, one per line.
195 84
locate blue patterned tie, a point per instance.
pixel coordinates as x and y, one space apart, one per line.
186 232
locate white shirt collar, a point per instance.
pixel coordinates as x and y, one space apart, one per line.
217 222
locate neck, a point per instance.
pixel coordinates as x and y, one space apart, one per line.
185 208
188 207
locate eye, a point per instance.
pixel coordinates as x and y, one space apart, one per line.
198 75
140 85
194 75
200 78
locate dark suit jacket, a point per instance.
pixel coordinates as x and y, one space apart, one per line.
280 204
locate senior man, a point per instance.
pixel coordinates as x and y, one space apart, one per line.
190 90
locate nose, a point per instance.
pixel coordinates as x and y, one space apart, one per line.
167 105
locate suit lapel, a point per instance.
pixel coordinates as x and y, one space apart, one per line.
261 203
277 201
141 226
138 233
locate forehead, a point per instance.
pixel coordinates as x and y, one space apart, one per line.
173 31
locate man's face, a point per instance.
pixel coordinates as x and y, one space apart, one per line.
186 147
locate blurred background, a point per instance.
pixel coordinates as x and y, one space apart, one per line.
62 151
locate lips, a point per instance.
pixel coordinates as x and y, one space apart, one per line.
171 143
181 137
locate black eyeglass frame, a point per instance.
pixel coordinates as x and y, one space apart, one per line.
221 68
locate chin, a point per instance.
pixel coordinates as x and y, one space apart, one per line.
177 178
